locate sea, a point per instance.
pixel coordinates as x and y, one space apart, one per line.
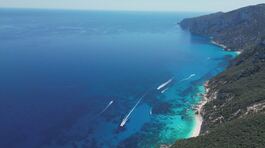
101 79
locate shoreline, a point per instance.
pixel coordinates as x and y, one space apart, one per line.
219 45
199 107
238 52
198 113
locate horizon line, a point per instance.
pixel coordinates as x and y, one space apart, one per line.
114 10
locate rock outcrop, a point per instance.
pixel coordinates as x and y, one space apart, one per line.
237 30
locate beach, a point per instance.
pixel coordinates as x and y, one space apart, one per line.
199 108
220 45
238 52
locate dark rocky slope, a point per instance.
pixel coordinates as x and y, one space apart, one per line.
237 29
235 113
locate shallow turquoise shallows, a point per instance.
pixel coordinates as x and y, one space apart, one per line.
100 79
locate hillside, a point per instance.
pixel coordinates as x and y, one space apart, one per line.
235 113
238 30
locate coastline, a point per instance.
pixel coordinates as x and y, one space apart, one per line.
238 52
198 112
223 115
199 107
220 45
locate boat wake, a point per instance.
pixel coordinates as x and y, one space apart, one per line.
124 121
165 84
191 76
163 91
110 103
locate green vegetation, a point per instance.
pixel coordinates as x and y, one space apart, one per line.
240 86
238 29
248 132
235 116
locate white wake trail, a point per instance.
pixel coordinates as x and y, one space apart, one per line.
129 114
163 91
165 84
191 76
110 103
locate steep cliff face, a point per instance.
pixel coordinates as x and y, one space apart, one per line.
239 29
234 114
237 92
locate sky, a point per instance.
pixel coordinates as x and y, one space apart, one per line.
139 5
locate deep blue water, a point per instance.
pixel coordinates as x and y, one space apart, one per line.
60 69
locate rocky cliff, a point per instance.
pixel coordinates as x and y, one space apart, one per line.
238 30
235 113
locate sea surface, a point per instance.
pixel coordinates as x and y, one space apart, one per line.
100 79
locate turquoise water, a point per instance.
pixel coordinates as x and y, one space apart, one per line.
71 78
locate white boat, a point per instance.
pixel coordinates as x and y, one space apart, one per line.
164 84
128 115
